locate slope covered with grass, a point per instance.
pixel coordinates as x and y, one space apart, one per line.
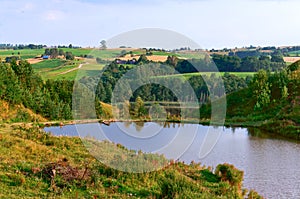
17 113
36 164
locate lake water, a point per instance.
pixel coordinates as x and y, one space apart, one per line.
271 166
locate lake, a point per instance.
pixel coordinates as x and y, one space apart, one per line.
271 166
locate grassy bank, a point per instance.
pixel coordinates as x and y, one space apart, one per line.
278 118
36 164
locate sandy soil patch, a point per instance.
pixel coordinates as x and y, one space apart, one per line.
291 59
79 58
34 60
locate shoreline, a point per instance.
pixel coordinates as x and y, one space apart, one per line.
204 122
260 125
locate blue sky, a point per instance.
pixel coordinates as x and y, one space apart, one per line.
210 23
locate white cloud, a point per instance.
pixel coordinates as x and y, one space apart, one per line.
54 15
29 6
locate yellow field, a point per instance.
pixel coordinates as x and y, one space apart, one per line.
291 59
155 58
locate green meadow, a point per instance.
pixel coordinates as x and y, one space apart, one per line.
24 54
95 52
294 53
188 75
31 53
69 70
48 64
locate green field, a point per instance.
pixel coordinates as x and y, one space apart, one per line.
51 69
138 51
31 53
108 54
187 55
163 53
24 54
62 69
188 75
48 64
192 55
294 53
89 70
103 54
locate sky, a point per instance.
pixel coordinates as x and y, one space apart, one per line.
209 23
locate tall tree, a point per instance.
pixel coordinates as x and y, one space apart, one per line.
139 107
261 89
103 45
69 56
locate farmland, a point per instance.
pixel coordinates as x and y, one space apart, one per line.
108 54
62 69
290 60
294 53
31 53
188 75
24 54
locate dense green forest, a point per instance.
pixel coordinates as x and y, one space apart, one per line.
233 63
20 85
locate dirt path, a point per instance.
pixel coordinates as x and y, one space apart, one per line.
56 123
68 71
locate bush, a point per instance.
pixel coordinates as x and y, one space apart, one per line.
229 173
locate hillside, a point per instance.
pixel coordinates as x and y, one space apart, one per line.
280 115
278 119
18 113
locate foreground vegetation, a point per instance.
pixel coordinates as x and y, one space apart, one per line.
36 164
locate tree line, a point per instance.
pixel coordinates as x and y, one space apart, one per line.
22 46
226 63
21 85
32 46
55 52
